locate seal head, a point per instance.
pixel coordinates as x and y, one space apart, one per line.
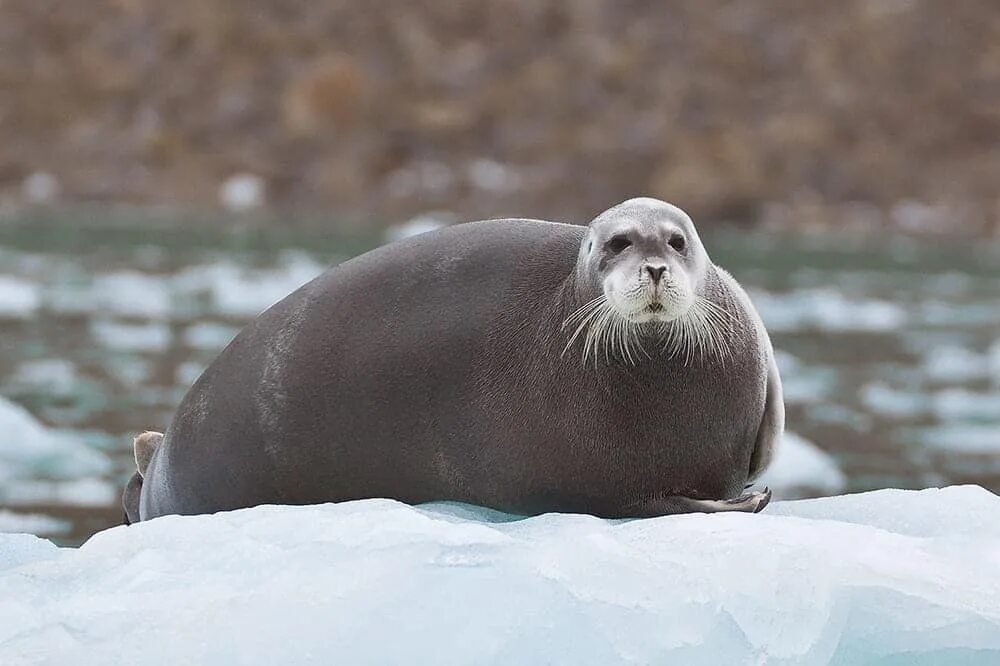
641 275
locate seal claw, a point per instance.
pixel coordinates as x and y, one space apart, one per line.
763 499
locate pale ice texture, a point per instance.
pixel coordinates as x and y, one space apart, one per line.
19 298
242 192
801 469
29 449
34 523
888 577
826 309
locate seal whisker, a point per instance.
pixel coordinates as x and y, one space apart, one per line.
587 319
584 310
596 332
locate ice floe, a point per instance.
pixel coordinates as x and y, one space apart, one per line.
883 577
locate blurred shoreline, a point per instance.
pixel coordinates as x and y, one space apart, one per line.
785 115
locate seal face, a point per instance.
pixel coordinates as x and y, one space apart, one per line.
525 365
647 266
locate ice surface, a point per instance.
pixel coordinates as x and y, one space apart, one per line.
18 549
800 469
898 577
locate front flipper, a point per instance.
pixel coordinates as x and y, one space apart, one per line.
752 502
772 424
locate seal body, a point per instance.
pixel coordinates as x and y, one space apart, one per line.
439 368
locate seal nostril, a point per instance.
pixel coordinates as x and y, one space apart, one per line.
656 272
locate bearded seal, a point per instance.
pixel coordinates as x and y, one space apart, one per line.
523 365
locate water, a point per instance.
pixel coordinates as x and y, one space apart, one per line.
889 347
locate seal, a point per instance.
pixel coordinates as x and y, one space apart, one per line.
523 365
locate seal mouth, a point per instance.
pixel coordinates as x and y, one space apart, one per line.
654 307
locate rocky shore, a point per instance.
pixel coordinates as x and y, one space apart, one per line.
853 113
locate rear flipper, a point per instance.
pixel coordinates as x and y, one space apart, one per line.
130 499
143 446
751 502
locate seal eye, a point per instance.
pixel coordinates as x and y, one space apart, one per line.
619 244
677 242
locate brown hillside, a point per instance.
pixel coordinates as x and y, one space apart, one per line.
792 112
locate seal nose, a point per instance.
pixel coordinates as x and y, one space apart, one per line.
656 272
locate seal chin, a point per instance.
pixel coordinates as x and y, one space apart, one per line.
654 312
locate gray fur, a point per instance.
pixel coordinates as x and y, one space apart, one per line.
434 369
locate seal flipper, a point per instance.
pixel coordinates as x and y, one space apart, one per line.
130 499
752 502
143 447
772 423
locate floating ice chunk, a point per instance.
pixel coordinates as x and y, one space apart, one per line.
787 363
187 373
146 337
959 403
235 291
955 364
242 192
208 335
826 309
493 176
33 523
419 225
964 438
883 399
28 448
951 313
128 293
420 178
87 491
801 469
885 577
18 298
55 376
808 385
40 187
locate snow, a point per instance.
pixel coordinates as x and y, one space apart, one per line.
800 468
885 577
17 549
